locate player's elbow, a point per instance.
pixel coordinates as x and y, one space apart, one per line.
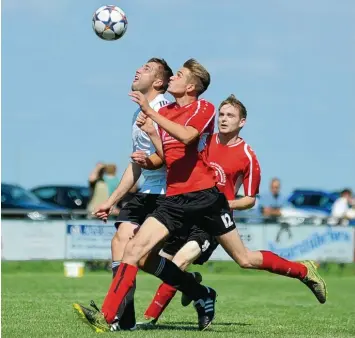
251 202
187 141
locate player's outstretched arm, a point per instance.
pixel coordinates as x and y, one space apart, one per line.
128 180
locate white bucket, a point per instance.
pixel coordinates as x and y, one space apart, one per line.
74 269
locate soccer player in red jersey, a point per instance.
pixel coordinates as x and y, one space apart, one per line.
191 196
235 164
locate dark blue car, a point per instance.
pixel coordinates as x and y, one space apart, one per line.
14 197
313 200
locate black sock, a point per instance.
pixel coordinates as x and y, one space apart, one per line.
170 274
126 312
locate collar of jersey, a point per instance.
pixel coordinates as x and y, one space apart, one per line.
229 145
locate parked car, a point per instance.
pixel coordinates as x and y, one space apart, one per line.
15 198
68 196
313 201
307 206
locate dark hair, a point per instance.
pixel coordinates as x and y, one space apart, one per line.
164 72
101 173
233 101
200 75
345 191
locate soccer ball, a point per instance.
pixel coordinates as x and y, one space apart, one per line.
109 22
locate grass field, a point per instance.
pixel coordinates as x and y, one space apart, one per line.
37 302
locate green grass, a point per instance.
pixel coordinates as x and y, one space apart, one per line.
36 303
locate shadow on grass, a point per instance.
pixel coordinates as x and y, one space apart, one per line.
181 326
214 323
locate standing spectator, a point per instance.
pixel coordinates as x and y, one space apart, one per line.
272 202
110 178
342 210
98 188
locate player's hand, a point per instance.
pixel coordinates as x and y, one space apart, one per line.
141 120
103 211
145 123
140 99
140 157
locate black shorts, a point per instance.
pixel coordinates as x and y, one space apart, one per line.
206 242
138 208
207 209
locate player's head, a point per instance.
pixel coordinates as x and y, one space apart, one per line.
155 74
192 79
232 115
275 186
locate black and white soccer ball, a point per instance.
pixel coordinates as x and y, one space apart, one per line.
109 22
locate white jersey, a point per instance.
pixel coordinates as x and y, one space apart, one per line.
154 180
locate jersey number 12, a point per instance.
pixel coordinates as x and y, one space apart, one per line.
227 220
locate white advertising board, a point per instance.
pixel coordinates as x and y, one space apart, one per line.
26 240
320 243
30 240
89 241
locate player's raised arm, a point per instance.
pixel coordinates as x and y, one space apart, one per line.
186 86
184 134
146 124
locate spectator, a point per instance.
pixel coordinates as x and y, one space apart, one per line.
272 202
110 178
342 210
98 188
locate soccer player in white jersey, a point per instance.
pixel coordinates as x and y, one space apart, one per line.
152 80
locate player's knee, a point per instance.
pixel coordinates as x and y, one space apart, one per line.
242 259
244 263
133 250
124 233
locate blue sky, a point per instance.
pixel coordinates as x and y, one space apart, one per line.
64 91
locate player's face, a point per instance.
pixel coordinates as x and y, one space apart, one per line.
145 77
180 83
229 120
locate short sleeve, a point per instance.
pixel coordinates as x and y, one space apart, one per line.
202 115
252 175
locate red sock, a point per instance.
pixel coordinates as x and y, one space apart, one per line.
275 264
120 286
161 300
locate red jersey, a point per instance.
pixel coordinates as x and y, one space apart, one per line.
235 165
187 168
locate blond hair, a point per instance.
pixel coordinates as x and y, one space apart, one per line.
200 75
111 169
233 101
